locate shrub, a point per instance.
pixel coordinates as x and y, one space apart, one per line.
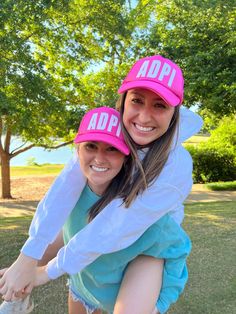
224 136
222 186
31 161
211 164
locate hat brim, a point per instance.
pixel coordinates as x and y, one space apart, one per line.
105 138
169 97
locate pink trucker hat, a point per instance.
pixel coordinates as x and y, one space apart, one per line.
102 125
158 74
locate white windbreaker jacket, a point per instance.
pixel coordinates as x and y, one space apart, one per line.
116 227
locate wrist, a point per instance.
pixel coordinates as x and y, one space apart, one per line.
27 259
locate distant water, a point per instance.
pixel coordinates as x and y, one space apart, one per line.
40 155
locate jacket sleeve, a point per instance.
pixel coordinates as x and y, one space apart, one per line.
175 272
173 245
117 227
172 284
54 208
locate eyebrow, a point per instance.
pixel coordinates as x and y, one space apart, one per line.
141 95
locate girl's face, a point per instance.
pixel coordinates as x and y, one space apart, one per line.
100 163
146 116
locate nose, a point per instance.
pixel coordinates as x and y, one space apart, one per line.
145 115
100 157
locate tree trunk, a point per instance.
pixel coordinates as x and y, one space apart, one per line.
5 171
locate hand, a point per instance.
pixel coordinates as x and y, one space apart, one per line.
41 276
18 278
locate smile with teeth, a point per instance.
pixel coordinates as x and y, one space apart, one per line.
99 169
143 128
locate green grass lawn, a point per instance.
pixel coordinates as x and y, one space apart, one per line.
222 186
212 268
17 171
212 283
196 139
50 298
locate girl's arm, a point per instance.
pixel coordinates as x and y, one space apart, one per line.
117 227
54 208
64 193
48 220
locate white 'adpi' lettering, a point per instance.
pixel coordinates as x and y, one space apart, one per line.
171 77
154 69
164 71
118 130
102 122
113 122
143 69
92 122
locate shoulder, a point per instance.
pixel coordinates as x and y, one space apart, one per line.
178 164
176 176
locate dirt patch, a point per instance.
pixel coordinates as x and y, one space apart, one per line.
200 193
29 187
26 192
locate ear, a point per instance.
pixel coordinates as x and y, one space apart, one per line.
77 148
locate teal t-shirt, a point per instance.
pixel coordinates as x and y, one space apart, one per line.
98 283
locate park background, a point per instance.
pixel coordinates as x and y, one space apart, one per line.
61 58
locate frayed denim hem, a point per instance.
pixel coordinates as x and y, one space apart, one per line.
88 307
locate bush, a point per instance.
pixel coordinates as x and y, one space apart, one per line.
215 160
31 161
224 136
222 186
212 164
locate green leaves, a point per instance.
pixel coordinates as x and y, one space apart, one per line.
200 36
57 56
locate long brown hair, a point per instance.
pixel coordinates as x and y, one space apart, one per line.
151 166
135 175
114 188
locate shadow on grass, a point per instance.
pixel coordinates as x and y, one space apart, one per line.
211 286
26 205
207 196
17 208
219 209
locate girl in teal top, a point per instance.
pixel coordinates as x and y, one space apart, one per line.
98 284
104 162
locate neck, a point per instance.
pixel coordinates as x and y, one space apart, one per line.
98 189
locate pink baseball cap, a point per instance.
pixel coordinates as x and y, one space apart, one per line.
102 125
158 74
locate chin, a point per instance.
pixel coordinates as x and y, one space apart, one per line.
142 141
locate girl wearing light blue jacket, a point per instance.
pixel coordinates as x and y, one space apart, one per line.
161 179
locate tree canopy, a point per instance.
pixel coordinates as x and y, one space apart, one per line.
201 37
59 57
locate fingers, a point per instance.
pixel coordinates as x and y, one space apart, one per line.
28 289
2 279
19 294
9 295
2 271
3 290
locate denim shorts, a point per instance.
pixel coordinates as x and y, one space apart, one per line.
76 297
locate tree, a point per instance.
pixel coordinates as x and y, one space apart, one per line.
200 36
50 53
